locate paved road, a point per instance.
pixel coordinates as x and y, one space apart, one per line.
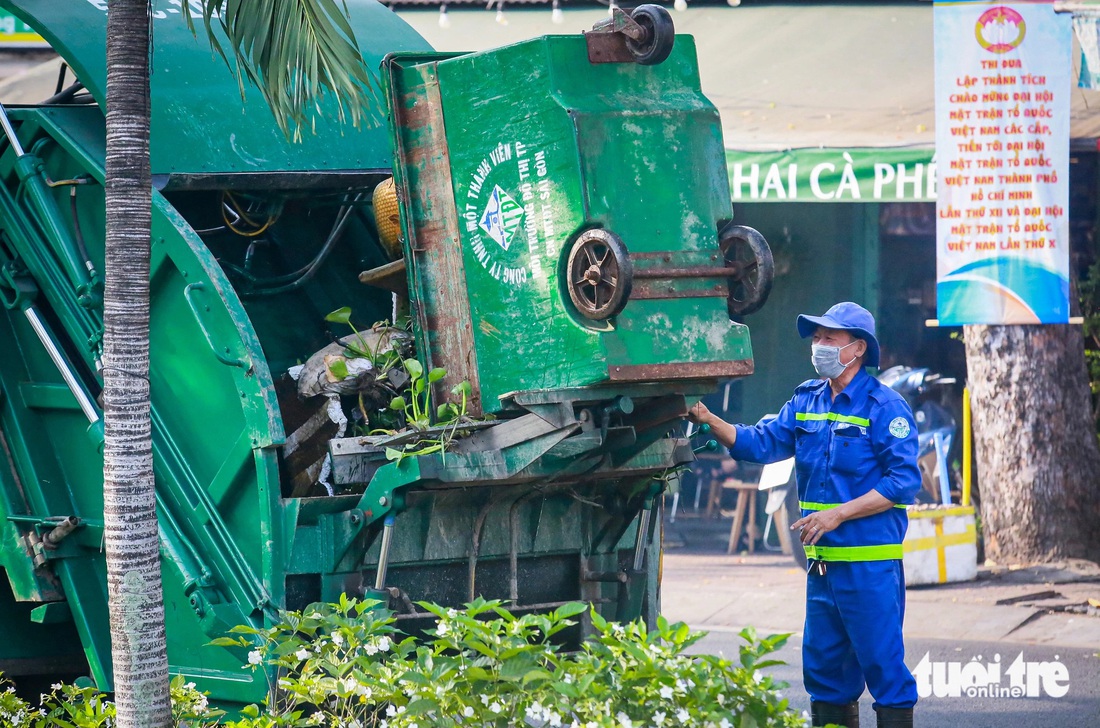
1006 612
1079 708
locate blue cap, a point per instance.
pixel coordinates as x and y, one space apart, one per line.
846 316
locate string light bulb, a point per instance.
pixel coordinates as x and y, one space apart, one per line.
733 3
500 13
444 20
680 5
556 15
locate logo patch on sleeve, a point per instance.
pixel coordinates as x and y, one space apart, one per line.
899 427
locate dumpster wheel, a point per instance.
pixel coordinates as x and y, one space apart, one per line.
746 250
599 274
659 35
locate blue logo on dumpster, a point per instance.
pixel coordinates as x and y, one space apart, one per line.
502 217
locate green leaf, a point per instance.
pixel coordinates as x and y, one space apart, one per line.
339 368
226 642
413 367
394 454
462 388
537 674
479 673
340 316
296 52
398 404
420 706
436 374
571 609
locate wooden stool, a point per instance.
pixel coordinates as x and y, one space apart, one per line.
746 501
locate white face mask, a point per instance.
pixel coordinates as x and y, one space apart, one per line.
826 360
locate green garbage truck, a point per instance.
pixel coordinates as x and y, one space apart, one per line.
443 356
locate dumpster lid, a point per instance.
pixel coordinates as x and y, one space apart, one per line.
200 127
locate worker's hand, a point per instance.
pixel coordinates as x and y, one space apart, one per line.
699 414
815 525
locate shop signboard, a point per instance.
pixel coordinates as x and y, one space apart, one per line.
14 34
867 174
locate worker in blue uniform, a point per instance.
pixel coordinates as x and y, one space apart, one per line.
855 447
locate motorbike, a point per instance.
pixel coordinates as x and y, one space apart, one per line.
933 400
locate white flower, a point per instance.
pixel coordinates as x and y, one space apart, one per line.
349 684
317 719
495 707
567 679
682 715
441 629
756 676
484 699
302 654
253 659
384 643
725 723
624 720
554 720
337 638
659 718
666 692
391 711
468 712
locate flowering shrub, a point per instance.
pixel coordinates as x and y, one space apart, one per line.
346 665
70 706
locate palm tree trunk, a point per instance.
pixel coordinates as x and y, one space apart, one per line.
136 600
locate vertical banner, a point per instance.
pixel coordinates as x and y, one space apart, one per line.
1003 83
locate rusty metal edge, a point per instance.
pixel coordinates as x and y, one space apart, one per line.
607 48
645 290
420 241
699 271
684 370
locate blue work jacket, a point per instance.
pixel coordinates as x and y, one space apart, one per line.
863 440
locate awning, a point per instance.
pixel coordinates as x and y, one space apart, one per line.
818 102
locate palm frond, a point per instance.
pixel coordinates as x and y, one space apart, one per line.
297 53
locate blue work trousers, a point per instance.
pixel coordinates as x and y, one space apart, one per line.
853 634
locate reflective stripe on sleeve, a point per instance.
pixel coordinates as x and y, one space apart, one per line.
885 552
832 417
810 506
